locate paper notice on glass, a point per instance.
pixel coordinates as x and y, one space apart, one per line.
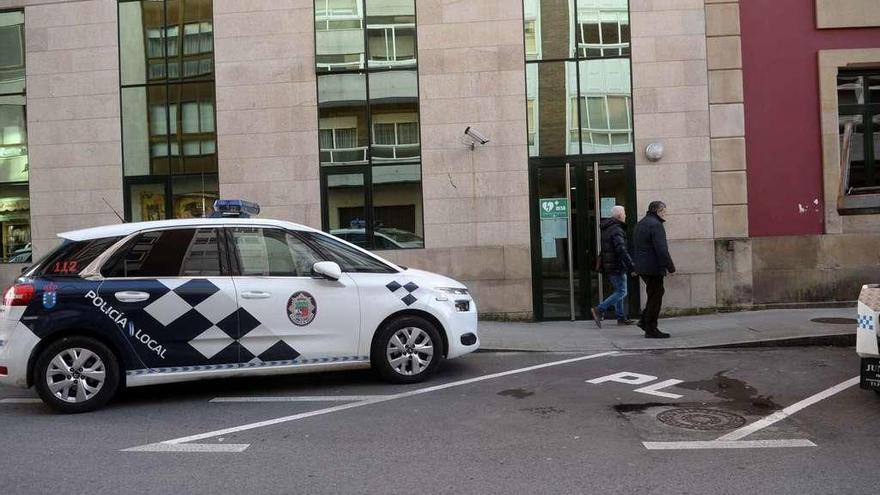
605 205
556 228
548 247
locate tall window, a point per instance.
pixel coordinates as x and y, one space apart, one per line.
578 77
859 110
169 136
15 222
368 117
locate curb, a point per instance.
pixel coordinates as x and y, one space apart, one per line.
833 340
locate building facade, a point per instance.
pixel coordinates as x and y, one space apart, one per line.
758 123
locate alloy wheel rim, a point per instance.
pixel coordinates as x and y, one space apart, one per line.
410 351
75 375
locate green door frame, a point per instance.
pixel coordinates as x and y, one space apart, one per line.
585 232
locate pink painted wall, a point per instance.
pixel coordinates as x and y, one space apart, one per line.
780 45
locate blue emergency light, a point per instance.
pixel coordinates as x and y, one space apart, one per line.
234 208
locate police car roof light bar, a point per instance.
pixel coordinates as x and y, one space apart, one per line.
235 208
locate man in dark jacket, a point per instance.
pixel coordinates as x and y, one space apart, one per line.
616 265
652 263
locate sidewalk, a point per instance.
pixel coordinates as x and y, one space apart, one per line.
746 328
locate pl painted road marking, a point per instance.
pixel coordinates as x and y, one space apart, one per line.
734 439
630 378
183 444
302 398
20 400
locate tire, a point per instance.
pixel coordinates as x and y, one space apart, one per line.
69 391
406 359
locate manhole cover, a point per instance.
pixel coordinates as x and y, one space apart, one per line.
701 419
836 321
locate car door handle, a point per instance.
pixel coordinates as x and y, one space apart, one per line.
256 294
131 296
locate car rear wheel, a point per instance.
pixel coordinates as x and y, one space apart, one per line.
76 375
407 350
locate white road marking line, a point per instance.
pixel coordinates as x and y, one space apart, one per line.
20 400
190 447
738 444
304 398
655 389
295 417
788 411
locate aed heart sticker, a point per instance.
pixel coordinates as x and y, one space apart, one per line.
548 206
301 308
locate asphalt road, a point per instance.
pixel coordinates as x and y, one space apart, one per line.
471 429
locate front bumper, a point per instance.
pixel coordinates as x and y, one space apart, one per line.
460 326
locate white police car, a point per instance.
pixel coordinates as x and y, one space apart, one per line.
158 302
867 337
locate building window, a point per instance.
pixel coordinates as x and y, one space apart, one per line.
368 119
578 83
15 215
858 96
169 137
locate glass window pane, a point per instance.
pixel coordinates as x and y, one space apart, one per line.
147 202
552 86
196 123
603 28
391 33
393 102
267 253
189 50
606 85
12 58
339 36
874 90
342 109
554 27
850 90
13 139
346 207
141 41
397 207
203 256
144 134
852 146
194 196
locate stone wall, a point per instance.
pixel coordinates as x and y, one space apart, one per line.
471 73
74 136
267 116
671 106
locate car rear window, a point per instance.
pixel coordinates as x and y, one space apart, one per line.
70 258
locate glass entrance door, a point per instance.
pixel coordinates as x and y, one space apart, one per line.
569 199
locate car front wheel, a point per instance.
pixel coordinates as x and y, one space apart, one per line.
407 350
76 375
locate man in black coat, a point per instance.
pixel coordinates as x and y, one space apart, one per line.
652 263
616 264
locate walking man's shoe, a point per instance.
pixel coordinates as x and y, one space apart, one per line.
596 317
656 334
625 322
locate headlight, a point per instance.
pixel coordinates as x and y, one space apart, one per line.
452 290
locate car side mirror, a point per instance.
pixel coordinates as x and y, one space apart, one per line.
327 269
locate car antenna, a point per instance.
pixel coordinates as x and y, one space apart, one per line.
113 210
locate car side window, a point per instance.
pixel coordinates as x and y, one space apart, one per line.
348 258
168 253
69 259
272 252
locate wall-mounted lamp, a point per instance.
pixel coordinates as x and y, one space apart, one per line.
654 152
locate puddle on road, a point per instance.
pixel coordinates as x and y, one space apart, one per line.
736 394
516 393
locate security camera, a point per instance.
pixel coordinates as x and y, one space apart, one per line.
475 136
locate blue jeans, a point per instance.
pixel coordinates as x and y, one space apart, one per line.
617 298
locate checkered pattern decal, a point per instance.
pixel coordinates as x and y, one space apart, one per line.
866 322
409 287
210 320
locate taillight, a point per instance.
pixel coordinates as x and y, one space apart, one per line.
19 295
